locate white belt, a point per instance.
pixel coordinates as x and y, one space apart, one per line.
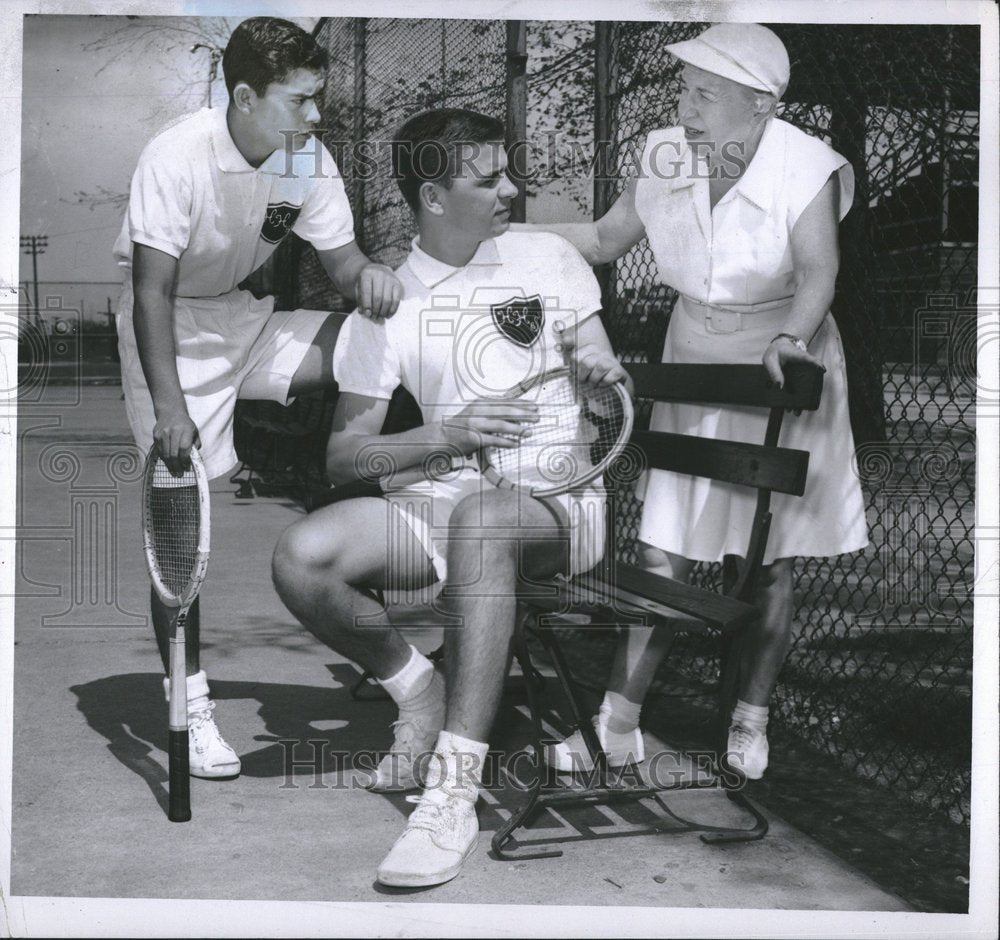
734 318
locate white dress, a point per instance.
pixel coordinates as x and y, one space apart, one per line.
737 257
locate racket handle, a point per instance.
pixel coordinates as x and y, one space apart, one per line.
178 759
180 781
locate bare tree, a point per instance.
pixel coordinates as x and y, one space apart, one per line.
171 41
139 37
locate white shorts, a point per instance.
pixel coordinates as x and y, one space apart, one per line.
426 508
228 347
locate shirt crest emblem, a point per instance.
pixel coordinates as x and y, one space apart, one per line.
520 319
278 221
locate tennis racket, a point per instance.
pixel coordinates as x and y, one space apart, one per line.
581 429
175 531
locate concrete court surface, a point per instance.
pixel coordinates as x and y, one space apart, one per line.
89 732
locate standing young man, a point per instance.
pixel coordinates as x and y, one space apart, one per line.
212 197
483 310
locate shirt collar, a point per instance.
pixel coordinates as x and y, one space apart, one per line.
760 178
431 272
766 169
227 155
673 162
230 159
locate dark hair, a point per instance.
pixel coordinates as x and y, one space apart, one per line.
425 148
264 49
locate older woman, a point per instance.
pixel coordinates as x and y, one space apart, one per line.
741 212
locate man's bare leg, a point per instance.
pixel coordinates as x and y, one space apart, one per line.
495 539
486 561
324 572
162 621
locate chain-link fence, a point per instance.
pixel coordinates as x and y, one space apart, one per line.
880 672
381 72
879 675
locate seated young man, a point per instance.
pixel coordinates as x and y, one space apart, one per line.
454 344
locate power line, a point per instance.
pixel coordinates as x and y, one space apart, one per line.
35 245
81 231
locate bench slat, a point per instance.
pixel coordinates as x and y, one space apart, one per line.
775 468
714 384
650 591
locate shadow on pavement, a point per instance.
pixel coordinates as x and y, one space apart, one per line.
130 712
320 737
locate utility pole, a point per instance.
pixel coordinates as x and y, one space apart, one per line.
517 110
35 245
358 120
606 76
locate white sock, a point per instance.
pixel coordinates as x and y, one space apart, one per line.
197 690
750 716
620 715
457 766
412 680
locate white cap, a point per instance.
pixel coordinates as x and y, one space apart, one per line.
747 53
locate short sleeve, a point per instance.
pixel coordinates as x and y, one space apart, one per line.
579 292
808 174
160 200
326 221
364 361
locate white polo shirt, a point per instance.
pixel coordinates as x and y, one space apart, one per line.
195 197
738 252
444 344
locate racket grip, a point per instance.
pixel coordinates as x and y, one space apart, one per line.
180 782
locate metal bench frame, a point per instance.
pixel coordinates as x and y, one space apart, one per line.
615 592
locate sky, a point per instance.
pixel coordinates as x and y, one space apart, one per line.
87 114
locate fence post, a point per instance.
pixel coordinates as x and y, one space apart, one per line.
605 136
857 304
358 121
517 110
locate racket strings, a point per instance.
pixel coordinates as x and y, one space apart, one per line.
576 431
174 513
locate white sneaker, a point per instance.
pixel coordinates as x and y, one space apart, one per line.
746 751
209 755
416 731
572 756
441 833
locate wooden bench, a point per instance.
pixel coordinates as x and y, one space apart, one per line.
616 592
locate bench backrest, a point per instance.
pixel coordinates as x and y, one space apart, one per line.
763 466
